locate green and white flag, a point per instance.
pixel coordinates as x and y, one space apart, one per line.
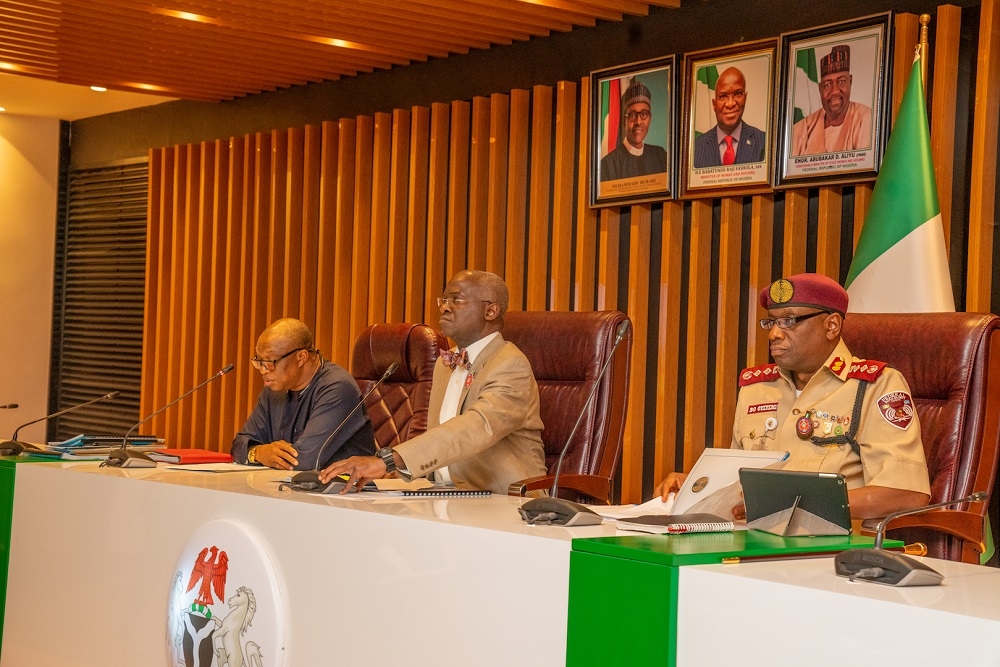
805 90
901 264
704 92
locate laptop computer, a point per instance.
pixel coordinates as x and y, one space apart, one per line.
716 469
788 502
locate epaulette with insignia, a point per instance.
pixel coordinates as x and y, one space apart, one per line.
866 369
764 373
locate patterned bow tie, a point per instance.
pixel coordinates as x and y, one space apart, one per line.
455 359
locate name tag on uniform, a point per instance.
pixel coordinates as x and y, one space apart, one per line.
762 407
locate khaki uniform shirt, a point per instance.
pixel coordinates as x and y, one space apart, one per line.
892 455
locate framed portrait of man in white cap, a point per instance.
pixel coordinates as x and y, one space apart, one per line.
632 133
833 102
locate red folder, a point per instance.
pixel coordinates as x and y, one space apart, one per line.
189 456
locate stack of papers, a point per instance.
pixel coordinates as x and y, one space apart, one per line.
97 447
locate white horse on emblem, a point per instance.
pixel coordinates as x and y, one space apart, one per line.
230 630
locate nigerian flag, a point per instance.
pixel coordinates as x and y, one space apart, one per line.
805 84
704 92
901 265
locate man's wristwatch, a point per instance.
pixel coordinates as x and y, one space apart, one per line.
386 454
252 456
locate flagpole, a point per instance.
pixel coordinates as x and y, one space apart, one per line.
924 48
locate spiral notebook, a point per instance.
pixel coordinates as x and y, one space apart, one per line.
676 524
446 492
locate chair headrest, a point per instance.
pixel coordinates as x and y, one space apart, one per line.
413 346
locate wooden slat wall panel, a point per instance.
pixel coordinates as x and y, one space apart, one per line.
500 181
906 37
944 89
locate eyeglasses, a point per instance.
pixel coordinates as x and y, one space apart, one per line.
632 116
270 364
840 82
735 95
788 322
450 301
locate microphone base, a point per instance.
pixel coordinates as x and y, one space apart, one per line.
895 569
15 447
558 512
127 458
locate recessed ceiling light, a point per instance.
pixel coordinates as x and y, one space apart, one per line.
2 109
99 89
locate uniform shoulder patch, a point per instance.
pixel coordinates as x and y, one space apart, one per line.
866 369
764 373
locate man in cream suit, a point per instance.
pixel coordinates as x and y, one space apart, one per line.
484 429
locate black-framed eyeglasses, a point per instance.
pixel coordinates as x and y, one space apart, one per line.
451 301
270 364
632 116
788 322
735 95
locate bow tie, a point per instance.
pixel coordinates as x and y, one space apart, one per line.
455 359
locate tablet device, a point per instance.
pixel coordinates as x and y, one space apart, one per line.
717 468
787 502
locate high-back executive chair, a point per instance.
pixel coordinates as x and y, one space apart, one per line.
566 351
398 408
952 364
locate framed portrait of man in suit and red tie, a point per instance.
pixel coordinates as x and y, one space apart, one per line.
728 119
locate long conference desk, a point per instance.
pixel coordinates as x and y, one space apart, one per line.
116 567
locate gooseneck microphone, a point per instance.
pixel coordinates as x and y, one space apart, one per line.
308 480
888 567
557 511
122 457
13 446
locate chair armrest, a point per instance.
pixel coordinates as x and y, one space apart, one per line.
598 488
958 523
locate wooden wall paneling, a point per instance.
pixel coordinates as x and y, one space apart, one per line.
278 177
796 228
761 242
246 374
326 257
187 287
943 103
696 368
479 183
668 353
235 337
437 211
157 249
982 204
536 287
360 266
907 29
728 323
584 275
640 236
418 212
496 218
381 197
259 224
399 176
456 257
561 241
862 199
517 197
312 168
609 240
828 232
294 184
209 353
340 349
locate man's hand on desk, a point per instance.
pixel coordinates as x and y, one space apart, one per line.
361 469
278 454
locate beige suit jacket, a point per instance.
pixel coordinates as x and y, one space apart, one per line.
496 438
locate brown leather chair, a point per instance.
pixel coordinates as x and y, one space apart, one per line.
952 364
398 408
566 351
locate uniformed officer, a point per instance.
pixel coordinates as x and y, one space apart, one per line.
831 411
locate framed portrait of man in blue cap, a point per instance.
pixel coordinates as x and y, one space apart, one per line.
833 102
632 133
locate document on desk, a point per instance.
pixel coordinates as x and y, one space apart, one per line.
211 467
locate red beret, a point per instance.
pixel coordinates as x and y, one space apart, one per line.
812 290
